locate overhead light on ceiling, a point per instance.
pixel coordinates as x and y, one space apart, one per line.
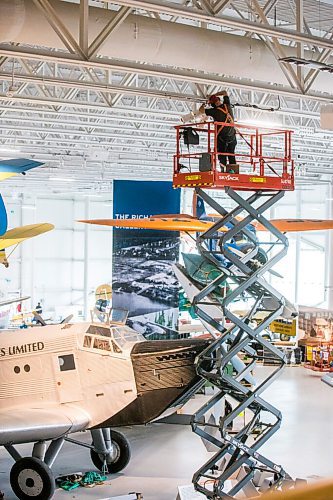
262 123
9 150
90 194
29 207
63 179
307 62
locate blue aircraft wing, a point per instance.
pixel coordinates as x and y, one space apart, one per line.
18 165
9 168
3 217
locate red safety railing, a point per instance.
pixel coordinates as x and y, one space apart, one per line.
262 158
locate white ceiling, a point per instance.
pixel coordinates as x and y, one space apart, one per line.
92 119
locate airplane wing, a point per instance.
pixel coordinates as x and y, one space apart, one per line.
174 223
12 301
9 168
19 234
25 425
188 224
294 225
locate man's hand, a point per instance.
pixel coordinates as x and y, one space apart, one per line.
223 92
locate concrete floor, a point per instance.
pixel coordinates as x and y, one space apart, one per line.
166 455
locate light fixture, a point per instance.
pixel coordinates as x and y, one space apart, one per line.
63 179
307 62
261 123
29 207
90 194
9 150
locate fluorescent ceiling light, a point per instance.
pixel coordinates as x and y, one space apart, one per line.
9 150
29 207
89 194
307 62
259 123
64 179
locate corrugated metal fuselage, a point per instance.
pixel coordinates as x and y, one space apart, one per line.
78 372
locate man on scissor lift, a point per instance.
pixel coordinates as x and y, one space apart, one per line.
226 135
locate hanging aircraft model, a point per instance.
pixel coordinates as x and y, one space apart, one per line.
65 378
199 272
10 168
13 237
5 308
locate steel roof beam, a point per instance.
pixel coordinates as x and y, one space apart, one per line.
157 71
228 21
109 28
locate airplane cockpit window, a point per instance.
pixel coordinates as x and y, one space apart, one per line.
87 341
123 336
66 362
102 344
102 330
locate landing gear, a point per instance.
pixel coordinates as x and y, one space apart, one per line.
32 478
117 459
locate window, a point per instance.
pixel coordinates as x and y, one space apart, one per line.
87 341
99 330
66 362
102 344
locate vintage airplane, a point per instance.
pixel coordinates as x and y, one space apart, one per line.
10 168
15 236
202 271
16 166
5 309
189 224
65 378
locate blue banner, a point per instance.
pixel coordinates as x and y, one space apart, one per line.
143 281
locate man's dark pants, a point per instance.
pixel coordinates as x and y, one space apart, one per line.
225 145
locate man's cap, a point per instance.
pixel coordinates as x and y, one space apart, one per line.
213 99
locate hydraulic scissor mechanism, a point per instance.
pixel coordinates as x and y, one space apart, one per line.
237 465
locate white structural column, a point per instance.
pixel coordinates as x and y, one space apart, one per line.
84 20
86 262
298 247
329 282
300 45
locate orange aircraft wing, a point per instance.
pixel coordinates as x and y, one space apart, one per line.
294 225
162 224
173 223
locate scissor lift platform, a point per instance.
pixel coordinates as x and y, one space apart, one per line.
216 180
265 175
197 165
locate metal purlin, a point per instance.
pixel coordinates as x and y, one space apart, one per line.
237 454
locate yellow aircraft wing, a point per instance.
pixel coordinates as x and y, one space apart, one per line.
188 224
19 234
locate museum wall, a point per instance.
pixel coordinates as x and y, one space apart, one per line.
52 267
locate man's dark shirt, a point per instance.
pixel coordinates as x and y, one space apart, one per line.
220 114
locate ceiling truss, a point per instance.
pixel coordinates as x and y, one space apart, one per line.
94 119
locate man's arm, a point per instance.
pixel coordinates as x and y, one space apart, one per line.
202 109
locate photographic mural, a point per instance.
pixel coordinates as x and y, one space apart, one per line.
143 280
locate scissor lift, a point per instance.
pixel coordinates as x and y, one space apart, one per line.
237 465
